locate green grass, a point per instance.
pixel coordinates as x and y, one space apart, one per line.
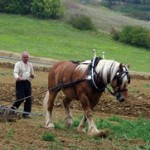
123 129
48 137
127 129
58 40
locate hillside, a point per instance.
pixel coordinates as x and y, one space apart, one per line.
102 17
57 39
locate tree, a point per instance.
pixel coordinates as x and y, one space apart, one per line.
15 6
47 8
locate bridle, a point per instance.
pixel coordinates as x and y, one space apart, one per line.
119 76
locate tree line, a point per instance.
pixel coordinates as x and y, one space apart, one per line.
38 8
142 2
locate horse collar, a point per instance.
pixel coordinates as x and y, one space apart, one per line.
92 74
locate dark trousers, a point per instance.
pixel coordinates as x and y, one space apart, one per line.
23 90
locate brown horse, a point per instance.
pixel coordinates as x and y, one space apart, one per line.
85 81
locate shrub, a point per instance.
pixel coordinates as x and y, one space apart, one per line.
47 8
135 35
81 22
115 34
15 6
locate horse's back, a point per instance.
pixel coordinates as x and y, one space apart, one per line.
60 72
61 66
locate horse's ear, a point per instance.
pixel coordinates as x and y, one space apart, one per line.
120 67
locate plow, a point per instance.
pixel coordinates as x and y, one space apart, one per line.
7 114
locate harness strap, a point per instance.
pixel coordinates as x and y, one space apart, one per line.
66 85
93 75
69 84
95 61
114 93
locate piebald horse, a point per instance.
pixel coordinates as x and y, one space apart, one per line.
85 81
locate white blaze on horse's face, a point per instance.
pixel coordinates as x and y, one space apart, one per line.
120 83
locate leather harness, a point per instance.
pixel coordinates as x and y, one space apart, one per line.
91 77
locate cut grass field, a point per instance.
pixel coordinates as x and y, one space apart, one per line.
58 40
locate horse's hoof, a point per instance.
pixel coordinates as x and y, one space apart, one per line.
102 133
50 126
81 130
68 123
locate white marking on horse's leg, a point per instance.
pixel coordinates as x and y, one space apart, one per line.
92 129
49 123
48 104
81 127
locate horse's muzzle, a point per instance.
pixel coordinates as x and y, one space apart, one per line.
119 97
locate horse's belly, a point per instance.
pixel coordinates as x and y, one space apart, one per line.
70 93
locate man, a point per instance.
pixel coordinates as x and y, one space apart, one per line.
23 73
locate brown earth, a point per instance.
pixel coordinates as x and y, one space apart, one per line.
27 134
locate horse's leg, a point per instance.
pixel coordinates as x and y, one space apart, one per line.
50 104
68 120
81 127
92 129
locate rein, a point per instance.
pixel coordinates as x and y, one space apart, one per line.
66 85
117 91
21 99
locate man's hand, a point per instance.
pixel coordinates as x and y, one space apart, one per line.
31 76
19 78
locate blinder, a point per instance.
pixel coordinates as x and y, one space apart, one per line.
119 76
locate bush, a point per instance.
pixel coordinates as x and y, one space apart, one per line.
47 8
81 22
135 35
115 34
15 6
39 8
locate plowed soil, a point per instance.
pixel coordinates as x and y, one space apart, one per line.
25 134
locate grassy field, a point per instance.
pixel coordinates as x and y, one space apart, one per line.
58 40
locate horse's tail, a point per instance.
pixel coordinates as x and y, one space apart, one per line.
45 101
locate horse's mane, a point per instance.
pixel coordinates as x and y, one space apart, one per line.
83 66
107 68
104 68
